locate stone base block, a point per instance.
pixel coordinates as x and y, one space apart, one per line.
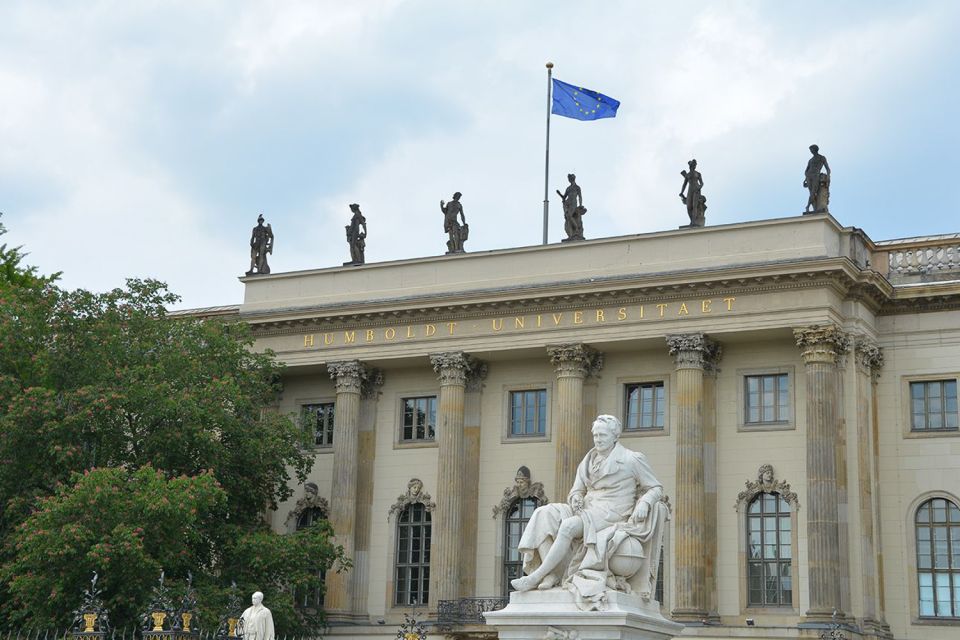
536 615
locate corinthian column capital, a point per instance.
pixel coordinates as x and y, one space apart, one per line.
694 351
575 360
458 368
821 343
869 355
348 375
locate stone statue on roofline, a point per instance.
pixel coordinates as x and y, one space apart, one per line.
573 209
609 533
457 233
817 182
696 202
356 236
261 244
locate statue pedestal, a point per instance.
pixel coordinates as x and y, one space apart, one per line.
535 615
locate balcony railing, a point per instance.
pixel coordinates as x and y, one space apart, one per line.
467 610
934 259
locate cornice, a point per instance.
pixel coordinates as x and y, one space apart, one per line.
837 273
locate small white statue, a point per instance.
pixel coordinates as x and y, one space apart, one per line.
257 620
608 534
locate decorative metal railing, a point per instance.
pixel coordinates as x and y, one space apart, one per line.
127 633
467 610
923 260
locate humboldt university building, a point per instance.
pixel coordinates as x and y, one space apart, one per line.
792 382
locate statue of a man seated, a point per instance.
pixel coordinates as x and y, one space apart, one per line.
608 534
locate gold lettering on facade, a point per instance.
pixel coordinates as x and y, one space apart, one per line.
557 317
641 312
308 340
327 338
683 310
578 317
349 337
600 315
705 306
729 302
451 326
622 313
390 333
662 308
518 322
497 324
410 333
369 335
431 329
538 320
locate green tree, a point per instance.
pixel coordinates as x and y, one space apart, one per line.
110 384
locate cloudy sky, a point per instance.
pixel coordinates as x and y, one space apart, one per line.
142 138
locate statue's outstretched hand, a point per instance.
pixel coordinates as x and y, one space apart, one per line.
640 512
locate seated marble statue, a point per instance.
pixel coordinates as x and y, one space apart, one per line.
609 532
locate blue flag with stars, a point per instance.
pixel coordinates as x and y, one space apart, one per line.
582 104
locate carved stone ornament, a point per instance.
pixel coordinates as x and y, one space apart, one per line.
311 500
766 482
352 376
522 488
575 359
557 633
869 355
459 368
414 495
694 351
821 343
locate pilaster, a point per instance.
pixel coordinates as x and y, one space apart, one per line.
573 363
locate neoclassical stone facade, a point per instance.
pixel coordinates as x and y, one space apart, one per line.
796 347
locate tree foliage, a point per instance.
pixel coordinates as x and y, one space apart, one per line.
132 440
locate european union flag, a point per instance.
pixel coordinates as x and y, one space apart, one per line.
582 104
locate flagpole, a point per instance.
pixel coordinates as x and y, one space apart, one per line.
546 164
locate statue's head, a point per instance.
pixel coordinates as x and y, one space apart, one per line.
523 477
260 219
457 195
692 164
814 149
765 473
414 487
572 178
606 431
355 208
311 489
256 598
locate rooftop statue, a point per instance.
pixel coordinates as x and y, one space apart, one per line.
816 182
696 202
573 209
261 243
457 233
608 534
356 235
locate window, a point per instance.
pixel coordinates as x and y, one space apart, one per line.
769 555
513 525
938 558
412 577
766 398
528 412
933 405
319 419
419 419
644 405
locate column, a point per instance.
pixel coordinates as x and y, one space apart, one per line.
869 360
820 346
573 362
454 369
348 376
692 353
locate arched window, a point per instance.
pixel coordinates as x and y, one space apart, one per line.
514 523
412 566
769 552
938 558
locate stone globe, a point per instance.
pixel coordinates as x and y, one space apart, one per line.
627 558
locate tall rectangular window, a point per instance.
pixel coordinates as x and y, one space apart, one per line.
419 419
645 405
933 405
528 412
766 398
318 418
